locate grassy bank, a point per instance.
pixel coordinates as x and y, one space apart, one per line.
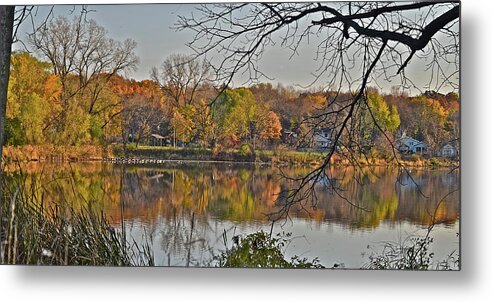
54 153
409 161
274 157
277 157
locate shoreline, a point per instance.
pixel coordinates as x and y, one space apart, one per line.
162 155
150 161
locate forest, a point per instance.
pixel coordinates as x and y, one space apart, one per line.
73 90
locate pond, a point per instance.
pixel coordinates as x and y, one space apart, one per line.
189 211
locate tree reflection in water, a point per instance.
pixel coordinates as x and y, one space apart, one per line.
188 206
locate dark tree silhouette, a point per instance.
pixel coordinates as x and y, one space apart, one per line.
6 37
358 44
180 77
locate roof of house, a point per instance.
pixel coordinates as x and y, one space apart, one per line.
448 145
157 136
416 141
321 138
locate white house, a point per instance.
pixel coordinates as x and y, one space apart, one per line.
448 150
322 138
321 141
409 144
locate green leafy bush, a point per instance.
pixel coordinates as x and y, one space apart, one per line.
131 147
435 162
260 250
13 132
245 150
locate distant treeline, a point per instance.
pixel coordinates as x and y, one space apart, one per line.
71 94
131 111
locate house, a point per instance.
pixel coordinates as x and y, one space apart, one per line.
321 138
448 150
321 141
157 140
318 139
407 144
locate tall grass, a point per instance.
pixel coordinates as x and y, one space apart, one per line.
411 254
33 232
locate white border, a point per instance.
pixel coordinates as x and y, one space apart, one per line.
21 283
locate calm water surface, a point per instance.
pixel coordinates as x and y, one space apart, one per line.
160 203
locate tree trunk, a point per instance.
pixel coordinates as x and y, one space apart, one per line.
6 31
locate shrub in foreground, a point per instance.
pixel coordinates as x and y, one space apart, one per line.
260 250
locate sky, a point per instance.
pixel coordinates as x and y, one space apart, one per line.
150 25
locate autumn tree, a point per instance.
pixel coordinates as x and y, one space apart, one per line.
240 117
31 99
374 127
206 128
234 111
182 78
430 120
184 124
141 117
270 128
282 100
293 106
84 59
187 84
